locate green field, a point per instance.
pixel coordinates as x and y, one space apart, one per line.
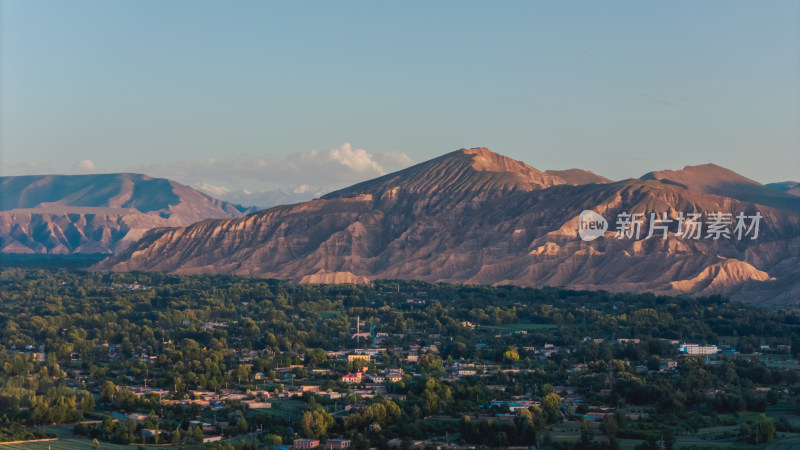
784 444
711 433
61 444
66 441
711 437
286 408
567 431
520 327
780 360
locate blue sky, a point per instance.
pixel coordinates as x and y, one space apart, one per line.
258 95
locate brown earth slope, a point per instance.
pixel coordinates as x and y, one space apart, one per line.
62 214
473 216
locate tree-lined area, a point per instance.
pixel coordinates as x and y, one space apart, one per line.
152 358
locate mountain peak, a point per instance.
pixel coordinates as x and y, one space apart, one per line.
478 151
713 179
484 159
473 169
473 216
703 177
579 176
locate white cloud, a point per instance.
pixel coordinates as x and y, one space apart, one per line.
84 166
319 170
255 180
358 159
212 190
303 188
394 160
264 181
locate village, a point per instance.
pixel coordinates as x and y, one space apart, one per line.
187 363
375 371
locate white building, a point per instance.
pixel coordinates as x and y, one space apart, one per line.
694 349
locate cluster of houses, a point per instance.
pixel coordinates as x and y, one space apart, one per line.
367 380
37 353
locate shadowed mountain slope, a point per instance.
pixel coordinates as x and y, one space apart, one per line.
789 187
578 176
713 179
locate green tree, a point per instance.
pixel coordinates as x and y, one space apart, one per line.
107 391
87 402
242 372
431 364
550 405
587 433
108 426
744 430
511 355
197 434
609 425
526 429
241 424
315 357
273 439
764 429
315 424
436 396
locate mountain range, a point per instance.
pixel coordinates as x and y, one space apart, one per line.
789 187
263 199
474 216
61 214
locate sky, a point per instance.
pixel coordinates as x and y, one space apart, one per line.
307 96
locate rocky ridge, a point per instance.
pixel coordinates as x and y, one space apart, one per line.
473 216
62 214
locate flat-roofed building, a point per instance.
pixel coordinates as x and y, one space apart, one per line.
306 443
337 443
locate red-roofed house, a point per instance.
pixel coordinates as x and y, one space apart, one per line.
352 378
